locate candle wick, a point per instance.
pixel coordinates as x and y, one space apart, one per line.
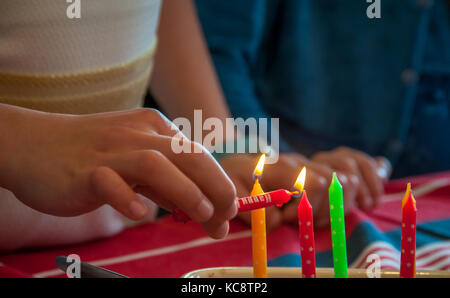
256 177
297 194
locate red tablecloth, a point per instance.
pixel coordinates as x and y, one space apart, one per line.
169 249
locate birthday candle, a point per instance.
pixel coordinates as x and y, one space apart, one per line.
338 228
306 230
306 234
408 241
276 197
258 219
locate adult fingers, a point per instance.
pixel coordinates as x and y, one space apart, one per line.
384 167
316 188
369 172
290 211
326 171
283 173
352 182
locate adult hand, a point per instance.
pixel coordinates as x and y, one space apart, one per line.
370 172
282 175
319 173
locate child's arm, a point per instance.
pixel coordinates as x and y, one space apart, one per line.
23 227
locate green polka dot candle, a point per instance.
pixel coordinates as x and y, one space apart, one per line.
337 225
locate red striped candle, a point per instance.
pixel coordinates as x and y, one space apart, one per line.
276 197
408 241
306 234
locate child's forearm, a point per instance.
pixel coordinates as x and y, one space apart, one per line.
23 227
184 78
11 121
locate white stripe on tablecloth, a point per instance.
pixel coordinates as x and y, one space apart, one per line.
391 260
420 190
389 263
387 250
439 266
154 252
429 259
382 245
427 248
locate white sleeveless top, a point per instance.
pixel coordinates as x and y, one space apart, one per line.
37 36
99 62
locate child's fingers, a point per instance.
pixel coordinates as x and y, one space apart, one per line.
148 120
169 187
214 228
110 188
156 198
273 214
216 231
202 169
163 179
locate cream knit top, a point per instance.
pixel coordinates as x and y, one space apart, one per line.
99 62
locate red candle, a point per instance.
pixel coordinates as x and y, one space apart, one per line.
277 197
408 241
306 234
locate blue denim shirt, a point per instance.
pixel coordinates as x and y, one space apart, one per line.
335 77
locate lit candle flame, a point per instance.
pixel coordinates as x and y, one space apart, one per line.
259 167
300 182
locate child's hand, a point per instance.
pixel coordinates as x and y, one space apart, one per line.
68 165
